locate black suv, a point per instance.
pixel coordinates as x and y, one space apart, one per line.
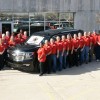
24 56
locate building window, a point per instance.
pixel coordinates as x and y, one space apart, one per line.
46 20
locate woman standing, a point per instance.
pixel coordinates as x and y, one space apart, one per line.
2 50
41 59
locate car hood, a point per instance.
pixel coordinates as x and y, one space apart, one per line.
25 47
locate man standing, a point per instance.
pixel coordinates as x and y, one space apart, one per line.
70 51
85 55
41 59
65 51
53 54
91 47
48 50
98 48
95 47
2 50
75 42
59 52
81 48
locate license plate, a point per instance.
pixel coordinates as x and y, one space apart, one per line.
26 64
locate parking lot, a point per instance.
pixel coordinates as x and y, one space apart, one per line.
77 83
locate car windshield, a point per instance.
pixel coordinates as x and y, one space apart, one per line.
35 40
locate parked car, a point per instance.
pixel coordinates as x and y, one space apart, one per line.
24 56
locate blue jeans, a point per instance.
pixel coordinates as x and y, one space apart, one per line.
54 60
84 54
64 60
60 61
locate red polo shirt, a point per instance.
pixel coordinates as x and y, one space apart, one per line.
86 41
11 43
65 45
53 48
69 43
24 37
7 38
47 48
75 43
81 42
41 51
2 48
59 45
19 40
94 38
91 39
98 38
5 44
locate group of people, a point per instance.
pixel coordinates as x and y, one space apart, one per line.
68 51
7 40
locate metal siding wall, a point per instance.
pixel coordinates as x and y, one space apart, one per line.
49 5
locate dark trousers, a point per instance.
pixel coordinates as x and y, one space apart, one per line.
1 61
70 59
91 54
79 56
97 52
42 67
5 57
54 62
75 58
48 64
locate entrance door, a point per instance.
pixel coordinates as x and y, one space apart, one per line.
6 27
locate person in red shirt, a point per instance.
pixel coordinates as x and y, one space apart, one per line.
75 42
7 36
2 50
86 48
48 50
12 41
21 33
98 49
70 50
24 37
59 53
81 47
65 51
19 40
95 46
94 35
91 47
41 58
4 41
53 54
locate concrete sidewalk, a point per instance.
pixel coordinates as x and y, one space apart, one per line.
77 83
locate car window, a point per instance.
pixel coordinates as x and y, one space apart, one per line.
35 40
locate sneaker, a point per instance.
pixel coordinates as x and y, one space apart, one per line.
41 74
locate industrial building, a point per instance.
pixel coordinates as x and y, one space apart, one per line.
79 14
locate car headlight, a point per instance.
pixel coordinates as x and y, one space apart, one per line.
20 56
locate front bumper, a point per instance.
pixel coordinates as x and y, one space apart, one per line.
20 65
